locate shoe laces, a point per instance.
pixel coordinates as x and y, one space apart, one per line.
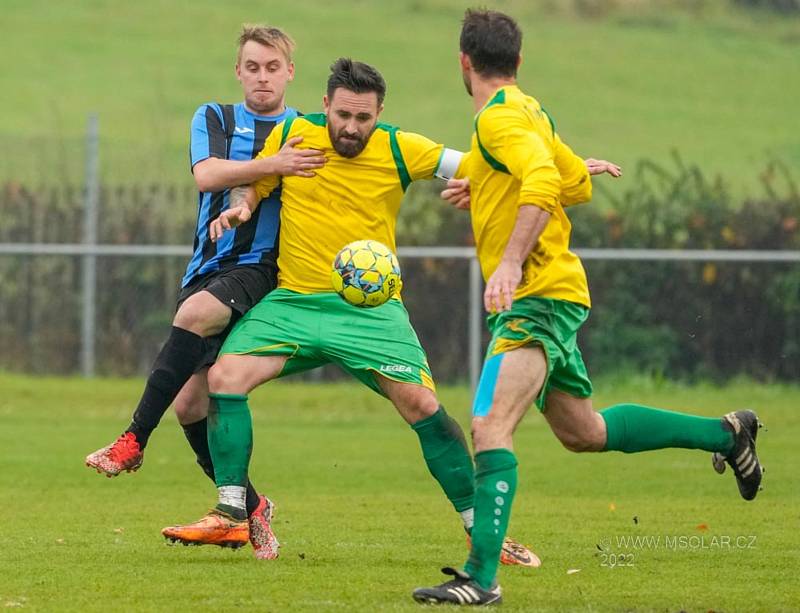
259 534
124 447
514 547
259 521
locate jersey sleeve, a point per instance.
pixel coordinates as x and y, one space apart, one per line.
421 155
576 183
207 137
510 144
463 166
272 145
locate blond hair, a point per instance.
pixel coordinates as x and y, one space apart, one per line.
267 36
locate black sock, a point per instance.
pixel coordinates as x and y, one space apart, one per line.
197 435
176 363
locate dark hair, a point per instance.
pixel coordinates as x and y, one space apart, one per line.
492 40
356 77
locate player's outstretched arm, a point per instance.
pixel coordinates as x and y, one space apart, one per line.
216 174
244 201
598 167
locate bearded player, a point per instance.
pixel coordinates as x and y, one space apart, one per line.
303 324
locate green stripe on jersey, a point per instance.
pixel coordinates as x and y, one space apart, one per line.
498 98
287 125
318 119
550 119
397 154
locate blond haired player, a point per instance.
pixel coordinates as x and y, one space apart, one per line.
222 280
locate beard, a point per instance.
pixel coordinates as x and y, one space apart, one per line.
347 145
467 82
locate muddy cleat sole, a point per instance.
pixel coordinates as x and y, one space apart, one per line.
215 528
461 590
743 459
262 538
230 545
515 554
123 455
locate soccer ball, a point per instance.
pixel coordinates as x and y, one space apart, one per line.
366 273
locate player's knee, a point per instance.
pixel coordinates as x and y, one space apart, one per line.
491 433
203 315
225 378
189 409
582 440
425 402
414 402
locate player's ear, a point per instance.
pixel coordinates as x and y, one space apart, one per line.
519 61
380 110
238 70
463 58
290 69
325 103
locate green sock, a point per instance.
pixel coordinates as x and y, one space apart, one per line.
632 428
230 438
447 456
495 485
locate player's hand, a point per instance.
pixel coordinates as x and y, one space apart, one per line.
297 162
457 193
227 220
598 167
500 288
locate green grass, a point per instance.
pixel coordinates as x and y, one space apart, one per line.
717 85
360 519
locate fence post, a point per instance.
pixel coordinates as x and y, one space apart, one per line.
89 269
475 316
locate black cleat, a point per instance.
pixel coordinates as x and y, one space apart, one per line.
743 459
461 590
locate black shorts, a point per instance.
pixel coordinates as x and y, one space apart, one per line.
239 287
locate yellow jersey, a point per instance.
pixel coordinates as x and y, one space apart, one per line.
348 199
517 159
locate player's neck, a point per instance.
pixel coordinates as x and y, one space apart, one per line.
483 89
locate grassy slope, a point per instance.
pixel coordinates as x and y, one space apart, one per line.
362 522
720 88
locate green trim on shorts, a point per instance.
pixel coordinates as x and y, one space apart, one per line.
312 330
553 325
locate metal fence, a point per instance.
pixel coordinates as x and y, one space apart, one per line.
90 253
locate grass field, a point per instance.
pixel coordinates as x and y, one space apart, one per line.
361 521
719 86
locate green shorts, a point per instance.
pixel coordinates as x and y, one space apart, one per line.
317 329
552 324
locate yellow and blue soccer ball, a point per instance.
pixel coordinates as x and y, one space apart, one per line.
366 273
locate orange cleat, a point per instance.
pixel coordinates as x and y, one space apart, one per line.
515 554
215 528
122 454
265 545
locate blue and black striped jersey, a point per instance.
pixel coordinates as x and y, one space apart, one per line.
234 133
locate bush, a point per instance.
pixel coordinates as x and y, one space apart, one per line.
676 319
